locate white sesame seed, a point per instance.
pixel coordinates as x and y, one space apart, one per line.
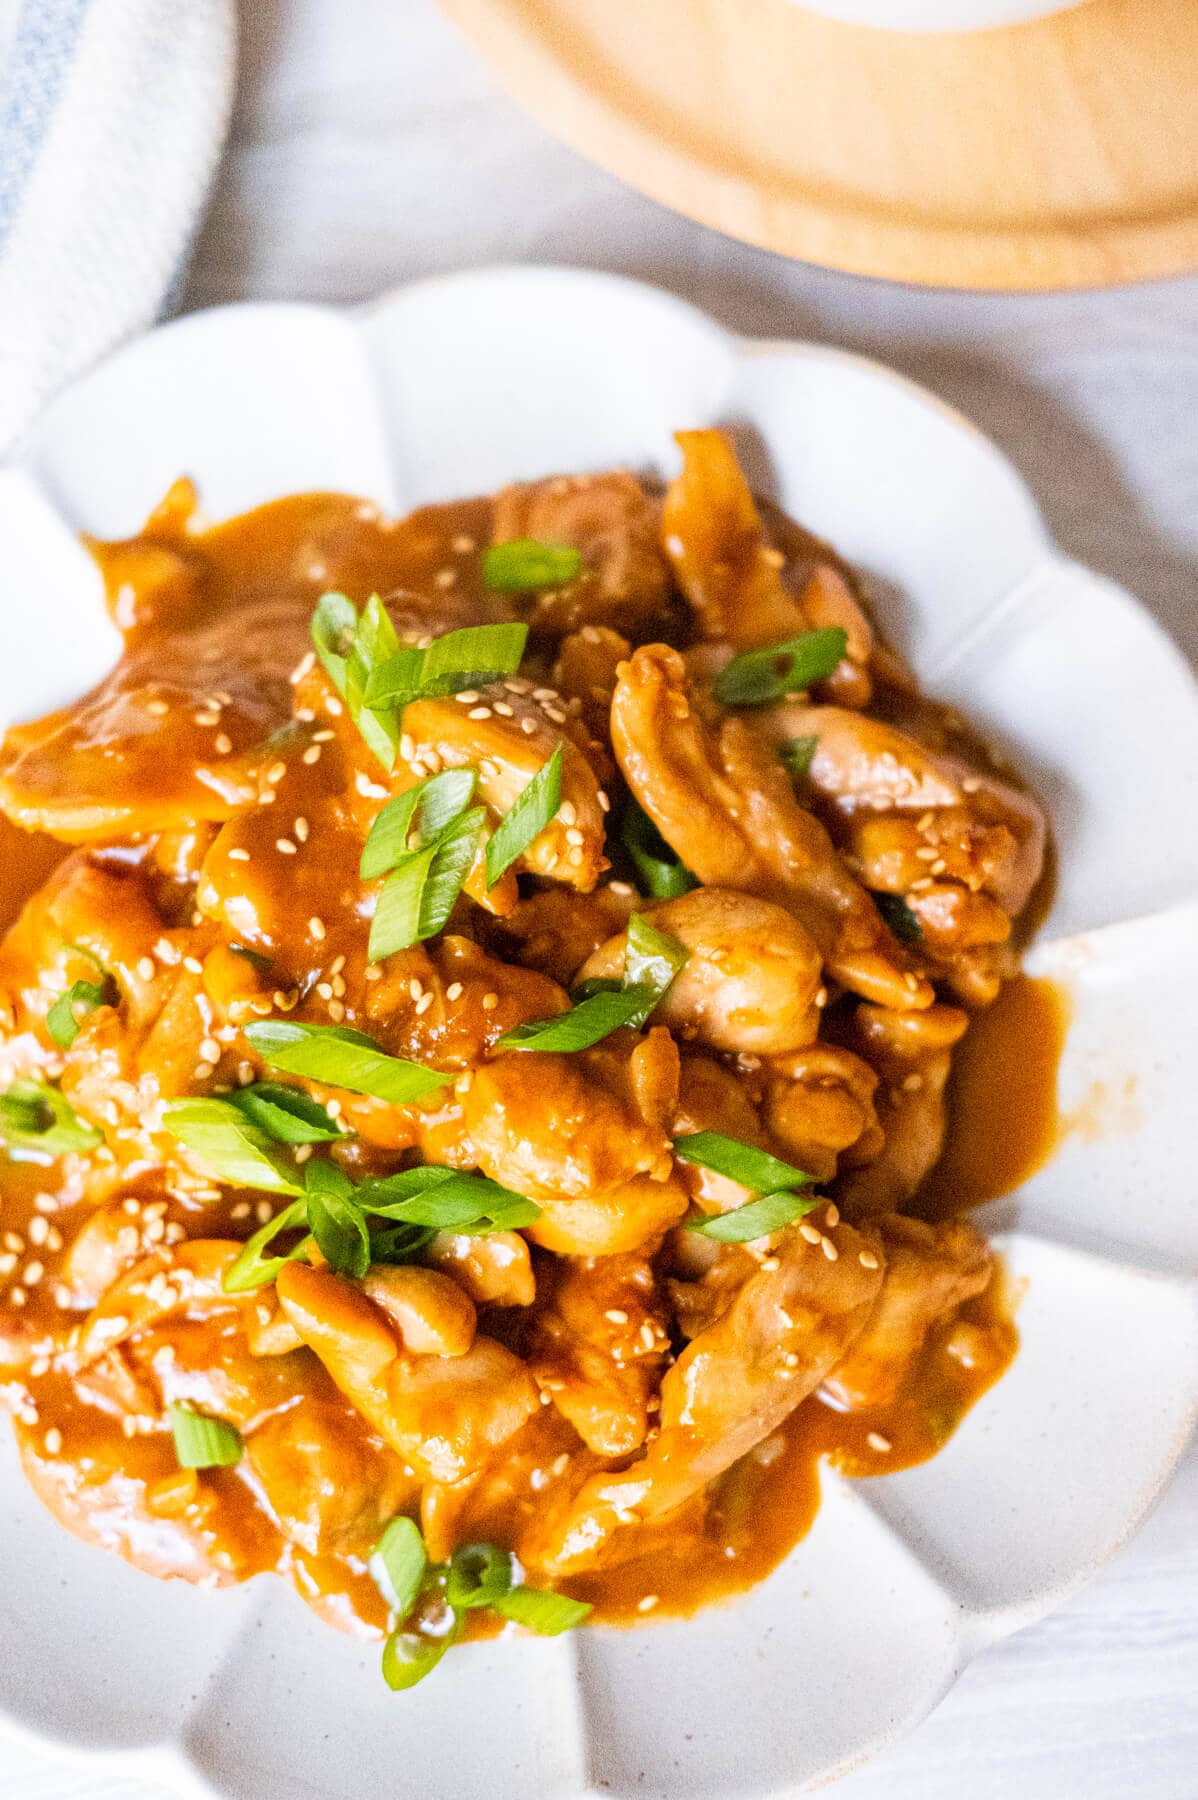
301 830
157 706
604 802
210 1050
829 1249
240 1211
574 836
38 1227
876 1441
809 1233
284 846
490 1002
423 1004
462 544
146 968
222 743
336 1011
454 991
617 1315
53 1441
867 1259
17 1296
264 1212
311 755
193 965
316 927
528 726
479 712
647 1603
622 888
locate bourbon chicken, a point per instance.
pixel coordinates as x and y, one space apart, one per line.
471 1072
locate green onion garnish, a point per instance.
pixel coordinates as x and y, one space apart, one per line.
343 1059
478 1575
253 1268
740 1162
756 1218
456 660
408 1656
255 958
583 1025
351 649
336 1220
524 563
652 958
899 917
202 1442
37 1124
433 804
796 756
447 1200
542 1611
62 1020
532 812
758 676
660 873
234 1147
418 897
401 1559
286 1114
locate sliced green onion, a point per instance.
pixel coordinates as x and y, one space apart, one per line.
540 1610
758 676
336 1220
253 1268
526 563
202 1442
744 1163
399 1243
528 817
433 803
456 660
756 1218
583 1025
62 1021
418 896
478 1575
447 1200
287 1114
796 756
408 1656
375 642
652 958
334 626
660 873
401 1559
343 1059
37 1124
899 917
235 1148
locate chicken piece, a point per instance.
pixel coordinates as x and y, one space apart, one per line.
167 1281
728 809
598 1348
445 1416
736 1382
433 1315
750 980
148 750
912 1052
736 579
930 1271
508 731
555 931
331 1486
585 670
557 1126
624 582
985 832
495 1269
819 1107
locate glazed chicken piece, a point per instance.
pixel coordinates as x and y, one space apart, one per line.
735 578
727 808
733 1384
509 730
556 930
912 1053
624 582
446 1416
930 1271
597 1349
751 978
986 834
586 671
819 1108
585 1135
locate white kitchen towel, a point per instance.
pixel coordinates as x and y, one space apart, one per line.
112 117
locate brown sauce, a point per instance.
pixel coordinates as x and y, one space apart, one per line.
1003 1120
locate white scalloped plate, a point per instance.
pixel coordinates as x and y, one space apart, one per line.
455 386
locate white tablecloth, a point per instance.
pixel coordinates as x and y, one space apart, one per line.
371 146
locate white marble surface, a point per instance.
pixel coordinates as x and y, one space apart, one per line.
370 146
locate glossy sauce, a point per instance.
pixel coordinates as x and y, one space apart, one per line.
1003 1120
